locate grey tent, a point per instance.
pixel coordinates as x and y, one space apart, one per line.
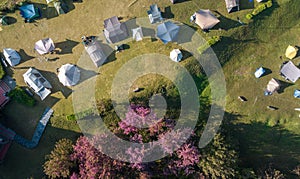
205 19
115 31
44 46
232 5
137 34
11 56
96 53
290 72
167 32
69 74
154 14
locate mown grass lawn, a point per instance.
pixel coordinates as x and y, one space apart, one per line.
241 51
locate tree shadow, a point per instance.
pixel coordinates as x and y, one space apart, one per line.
246 4
66 46
226 23
261 144
56 85
24 56
167 13
283 86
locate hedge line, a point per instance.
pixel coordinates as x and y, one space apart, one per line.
259 9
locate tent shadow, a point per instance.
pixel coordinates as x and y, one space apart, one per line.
246 4
86 74
56 85
181 1
225 23
283 86
24 56
185 54
167 13
267 72
51 12
185 33
66 46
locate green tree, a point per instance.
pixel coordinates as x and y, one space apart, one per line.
58 163
218 159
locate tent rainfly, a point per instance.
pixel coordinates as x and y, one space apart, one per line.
44 46
205 19
297 93
232 5
69 74
176 55
137 34
29 12
259 72
96 53
291 52
167 32
4 20
34 79
11 56
154 14
114 31
272 86
290 72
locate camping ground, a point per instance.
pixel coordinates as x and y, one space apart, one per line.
265 135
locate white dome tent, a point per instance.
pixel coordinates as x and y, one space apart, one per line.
69 74
176 55
44 46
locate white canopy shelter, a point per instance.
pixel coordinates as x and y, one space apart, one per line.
69 74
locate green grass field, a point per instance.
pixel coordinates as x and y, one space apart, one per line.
265 136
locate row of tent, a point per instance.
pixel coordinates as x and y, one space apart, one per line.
43 46
274 85
29 12
68 75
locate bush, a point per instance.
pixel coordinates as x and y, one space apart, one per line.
2 72
21 96
249 16
213 40
269 4
260 8
71 117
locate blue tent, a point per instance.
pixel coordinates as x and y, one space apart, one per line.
297 94
259 72
29 12
167 32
